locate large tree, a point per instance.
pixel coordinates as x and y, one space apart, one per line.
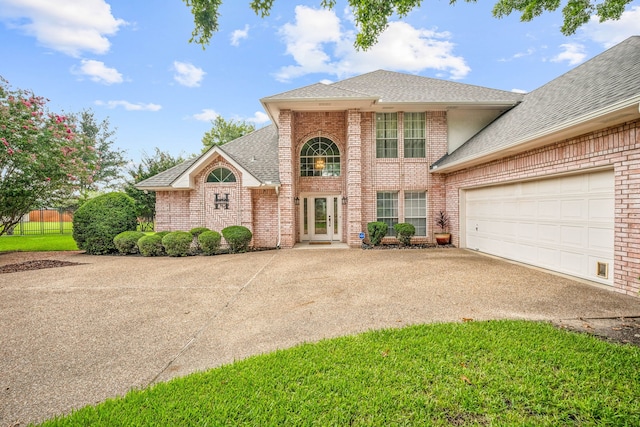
372 16
150 165
42 158
110 162
223 131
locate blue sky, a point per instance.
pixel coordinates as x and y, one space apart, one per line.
130 61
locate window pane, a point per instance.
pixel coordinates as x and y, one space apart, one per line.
320 157
414 135
386 135
415 211
387 210
221 175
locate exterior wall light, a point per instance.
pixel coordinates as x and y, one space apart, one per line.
296 200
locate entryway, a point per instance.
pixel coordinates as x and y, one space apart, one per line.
320 218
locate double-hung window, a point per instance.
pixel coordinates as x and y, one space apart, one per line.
387 210
414 135
386 135
415 211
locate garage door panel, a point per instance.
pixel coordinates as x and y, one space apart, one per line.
565 224
573 236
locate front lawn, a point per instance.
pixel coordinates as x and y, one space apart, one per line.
465 374
38 243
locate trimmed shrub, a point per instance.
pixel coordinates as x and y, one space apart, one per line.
98 221
162 233
177 243
377 230
404 232
209 242
127 242
195 232
238 238
151 245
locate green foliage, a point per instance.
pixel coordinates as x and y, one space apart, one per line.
209 242
42 158
377 231
238 238
162 233
97 222
195 232
404 232
177 243
495 373
150 165
151 245
223 131
442 221
372 16
127 242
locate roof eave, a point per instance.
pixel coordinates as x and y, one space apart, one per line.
611 115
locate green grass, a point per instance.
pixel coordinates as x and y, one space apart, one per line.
38 243
498 373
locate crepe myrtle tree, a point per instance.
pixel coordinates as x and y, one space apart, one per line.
42 158
372 16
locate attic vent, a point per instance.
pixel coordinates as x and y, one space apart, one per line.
388 108
324 104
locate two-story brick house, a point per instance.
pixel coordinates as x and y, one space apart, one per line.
549 178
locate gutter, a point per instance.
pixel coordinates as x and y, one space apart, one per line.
610 109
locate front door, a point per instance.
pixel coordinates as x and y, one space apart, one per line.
320 217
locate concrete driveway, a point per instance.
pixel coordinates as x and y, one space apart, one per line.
76 335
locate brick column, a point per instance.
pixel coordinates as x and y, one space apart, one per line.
354 178
437 197
286 196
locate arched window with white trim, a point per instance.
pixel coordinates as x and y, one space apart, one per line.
221 175
320 157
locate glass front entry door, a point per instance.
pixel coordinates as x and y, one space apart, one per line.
321 218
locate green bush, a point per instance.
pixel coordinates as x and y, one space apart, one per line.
98 221
127 242
238 238
209 242
151 245
404 232
162 233
377 230
177 243
195 232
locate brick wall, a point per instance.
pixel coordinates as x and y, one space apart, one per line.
617 147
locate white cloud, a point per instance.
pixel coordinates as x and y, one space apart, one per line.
206 115
610 33
259 118
318 44
573 53
129 106
68 26
98 72
238 35
187 74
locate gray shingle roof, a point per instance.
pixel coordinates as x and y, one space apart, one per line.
609 78
166 178
398 87
257 152
316 91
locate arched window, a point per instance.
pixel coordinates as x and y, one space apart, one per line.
320 157
221 175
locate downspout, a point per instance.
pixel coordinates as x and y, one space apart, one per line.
277 188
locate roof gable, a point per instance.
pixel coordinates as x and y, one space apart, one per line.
601 91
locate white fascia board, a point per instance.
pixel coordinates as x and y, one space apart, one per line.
545 134
185 181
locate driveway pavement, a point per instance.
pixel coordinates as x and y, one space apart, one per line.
76 335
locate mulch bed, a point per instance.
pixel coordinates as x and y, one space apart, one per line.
35 265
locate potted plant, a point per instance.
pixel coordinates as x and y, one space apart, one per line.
442 221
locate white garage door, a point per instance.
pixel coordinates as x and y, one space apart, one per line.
563 224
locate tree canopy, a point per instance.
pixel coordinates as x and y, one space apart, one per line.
223 131
372 16
43 158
